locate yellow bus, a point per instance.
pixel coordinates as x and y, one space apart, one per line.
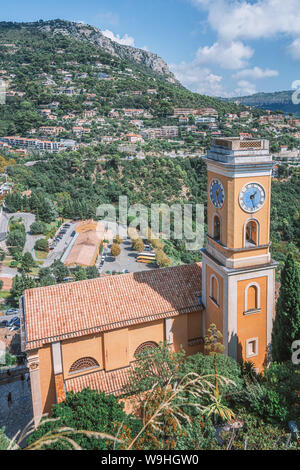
148 254
146 259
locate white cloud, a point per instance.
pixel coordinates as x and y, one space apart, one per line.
126 40
244 88
256 73
233 55
294 49
199 79
245 19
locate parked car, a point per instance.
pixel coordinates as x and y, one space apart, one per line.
73 233
14 322
12 311
3 323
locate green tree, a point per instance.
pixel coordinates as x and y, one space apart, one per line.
88 410
156 365
20 284
37 228
41 245
27 262
91 272
79 274
60 271
286 327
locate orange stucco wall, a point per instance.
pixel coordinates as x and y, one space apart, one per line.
140 334
214 313
253 325
48 394
116 349
85 346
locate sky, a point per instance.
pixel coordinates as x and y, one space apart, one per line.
214 47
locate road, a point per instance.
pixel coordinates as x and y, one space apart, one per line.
28 219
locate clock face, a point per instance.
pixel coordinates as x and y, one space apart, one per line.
252 197
217 193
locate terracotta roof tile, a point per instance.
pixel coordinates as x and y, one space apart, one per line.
75 309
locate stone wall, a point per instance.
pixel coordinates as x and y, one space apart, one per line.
15 400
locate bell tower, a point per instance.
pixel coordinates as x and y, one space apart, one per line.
238 274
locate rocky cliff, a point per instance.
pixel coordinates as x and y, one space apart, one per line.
94 35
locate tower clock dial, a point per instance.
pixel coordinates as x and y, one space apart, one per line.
217 193
252 197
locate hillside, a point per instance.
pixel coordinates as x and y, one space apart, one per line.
93 35
277 101
72 65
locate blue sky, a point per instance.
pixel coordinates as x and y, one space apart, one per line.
215 47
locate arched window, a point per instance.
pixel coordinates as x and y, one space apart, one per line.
217 228
82 364
252 297
214 289
252 233
144 346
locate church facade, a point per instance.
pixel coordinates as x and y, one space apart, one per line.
87 334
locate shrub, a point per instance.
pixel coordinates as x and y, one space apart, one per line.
138 245
37 228
41 245
89 410
118 239
226 367
265 402
4 441
115 250
162 259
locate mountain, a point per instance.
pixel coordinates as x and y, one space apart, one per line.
93 35
78 69
277 101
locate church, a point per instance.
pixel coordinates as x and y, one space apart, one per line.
87 334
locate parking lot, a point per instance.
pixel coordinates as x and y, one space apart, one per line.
61 242
126 261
